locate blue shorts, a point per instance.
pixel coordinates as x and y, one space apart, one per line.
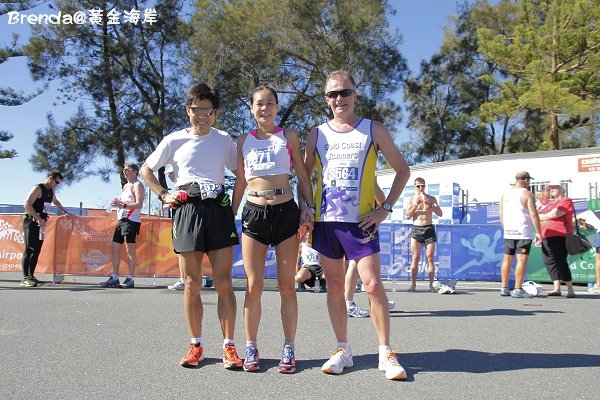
338 239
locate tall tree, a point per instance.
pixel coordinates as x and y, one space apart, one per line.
443 101
554 52
127 65
292 45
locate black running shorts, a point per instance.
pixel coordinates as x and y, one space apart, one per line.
203 225
126 231
270 224
512 245
424 234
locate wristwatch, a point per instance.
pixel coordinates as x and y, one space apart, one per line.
387 207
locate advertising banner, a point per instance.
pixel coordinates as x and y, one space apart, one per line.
82 246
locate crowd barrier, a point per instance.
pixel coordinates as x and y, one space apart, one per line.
82 246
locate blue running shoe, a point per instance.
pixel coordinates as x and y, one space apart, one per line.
128 284
251 360
110 283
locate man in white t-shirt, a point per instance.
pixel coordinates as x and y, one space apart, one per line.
203 221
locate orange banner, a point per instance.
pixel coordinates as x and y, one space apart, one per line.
588 164
82 246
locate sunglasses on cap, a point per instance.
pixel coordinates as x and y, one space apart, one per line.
333 94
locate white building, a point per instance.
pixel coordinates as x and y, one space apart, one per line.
484 179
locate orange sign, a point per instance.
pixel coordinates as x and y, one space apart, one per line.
588 164
82 246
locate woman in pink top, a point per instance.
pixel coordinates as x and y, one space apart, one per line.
267 156
556 217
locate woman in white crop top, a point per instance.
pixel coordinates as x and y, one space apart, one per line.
266 157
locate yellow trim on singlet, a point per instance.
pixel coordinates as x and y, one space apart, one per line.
367 185
318 193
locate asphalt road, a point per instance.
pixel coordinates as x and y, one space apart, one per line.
78 340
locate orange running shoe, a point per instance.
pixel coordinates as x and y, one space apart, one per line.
230 358
193 357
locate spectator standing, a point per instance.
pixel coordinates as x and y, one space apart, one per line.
518 216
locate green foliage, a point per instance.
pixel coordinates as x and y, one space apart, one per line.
6 7
444 100
553 54
10 96
6 153
292 45
131 76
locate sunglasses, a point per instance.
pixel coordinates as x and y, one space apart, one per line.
57 181
202 111
419 185
335 93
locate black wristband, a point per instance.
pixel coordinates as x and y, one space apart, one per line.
161 194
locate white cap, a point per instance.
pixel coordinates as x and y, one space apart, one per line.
555 182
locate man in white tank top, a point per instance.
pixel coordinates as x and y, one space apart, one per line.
518 215
129 205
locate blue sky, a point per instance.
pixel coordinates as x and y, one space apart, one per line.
420 22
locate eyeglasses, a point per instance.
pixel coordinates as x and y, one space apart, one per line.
128 169
57 181
335 93
420 186
202 111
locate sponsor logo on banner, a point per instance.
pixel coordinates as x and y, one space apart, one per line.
94 260
9 232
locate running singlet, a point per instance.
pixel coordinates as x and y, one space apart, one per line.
128 196
266 157
515 217
345 164
43 203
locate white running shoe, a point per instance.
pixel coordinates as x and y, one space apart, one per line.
357 312
179 285
391 305
520 293
389 364
339 360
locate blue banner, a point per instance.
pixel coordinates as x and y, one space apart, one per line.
463 252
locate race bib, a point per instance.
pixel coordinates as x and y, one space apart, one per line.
261 159
210 190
